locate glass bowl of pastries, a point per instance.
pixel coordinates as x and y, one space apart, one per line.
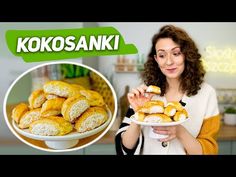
61 114
156 113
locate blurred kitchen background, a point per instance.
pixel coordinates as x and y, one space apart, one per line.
216 42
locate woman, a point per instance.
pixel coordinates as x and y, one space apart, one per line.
174 65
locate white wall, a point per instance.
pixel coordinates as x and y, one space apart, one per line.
218 34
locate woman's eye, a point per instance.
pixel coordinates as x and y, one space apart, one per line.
161 56
177 53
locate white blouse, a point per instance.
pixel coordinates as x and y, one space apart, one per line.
199 107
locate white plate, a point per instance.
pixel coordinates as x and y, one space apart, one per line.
65 141
156 123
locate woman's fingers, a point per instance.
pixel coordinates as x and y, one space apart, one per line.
141 90
170 131
136 92
130 95
162 132
159 128
144 87
149 95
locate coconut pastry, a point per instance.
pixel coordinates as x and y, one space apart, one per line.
153 89
180 115
139 116
153 106
60 88
90 119
36 99
52 107
78 87
73 107
157 118
170 110
29 117
51 96
94 98
51 126
176 104
19 111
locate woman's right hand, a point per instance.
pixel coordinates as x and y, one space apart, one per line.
138 96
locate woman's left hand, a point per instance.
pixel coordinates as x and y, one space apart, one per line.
171 131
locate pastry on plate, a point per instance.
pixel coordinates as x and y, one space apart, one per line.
73 107
36 99
180 115
51 126
60 88
90 119
170 110
139 116
157 118
176 104
51 96
153 106
94 98
52 107
153 89
19 111
29 117
78 87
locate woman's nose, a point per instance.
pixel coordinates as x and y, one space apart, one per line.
169 60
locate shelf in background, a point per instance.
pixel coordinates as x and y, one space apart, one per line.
127 71
128 68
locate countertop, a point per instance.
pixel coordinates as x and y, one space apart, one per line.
227 133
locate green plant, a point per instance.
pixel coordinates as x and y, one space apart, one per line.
73 71
230 110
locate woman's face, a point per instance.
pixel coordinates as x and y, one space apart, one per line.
169 58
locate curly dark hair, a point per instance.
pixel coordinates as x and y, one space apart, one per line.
193 74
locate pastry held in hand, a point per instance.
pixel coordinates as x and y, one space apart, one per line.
52 107
60 88
19 111
29 117
36 99
153 89
157 118
51 126
90 119
94 98
73 107
180 115
153 106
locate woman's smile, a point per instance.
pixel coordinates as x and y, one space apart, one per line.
171 70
